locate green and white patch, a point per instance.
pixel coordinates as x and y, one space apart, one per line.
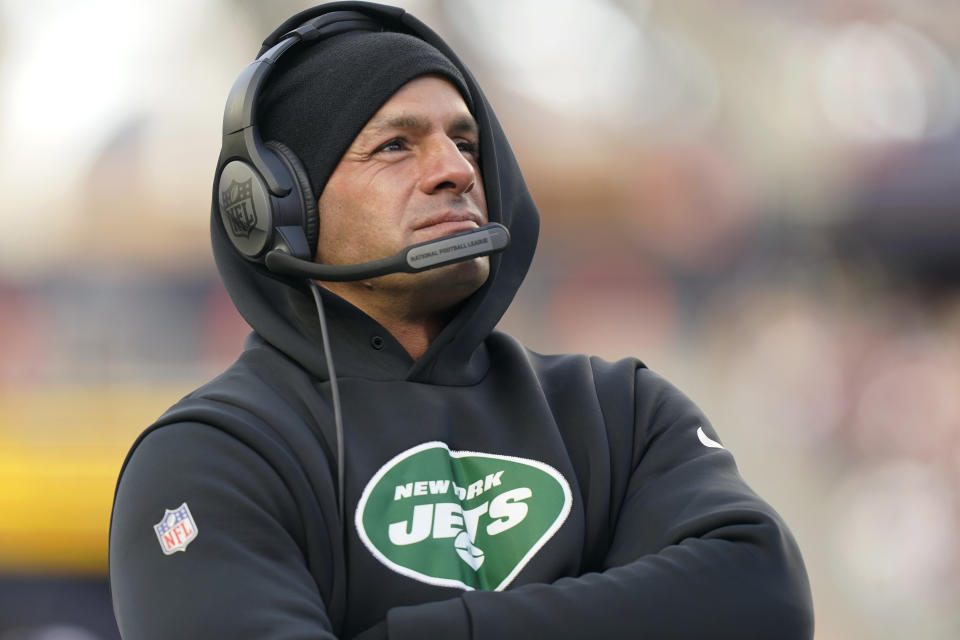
460 518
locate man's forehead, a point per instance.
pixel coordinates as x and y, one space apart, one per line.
421 102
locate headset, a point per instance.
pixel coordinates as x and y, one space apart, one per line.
266 204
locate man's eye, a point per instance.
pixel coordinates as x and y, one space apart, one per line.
397 144
469 147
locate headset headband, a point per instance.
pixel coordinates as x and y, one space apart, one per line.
239 115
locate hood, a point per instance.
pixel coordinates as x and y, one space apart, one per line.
281 310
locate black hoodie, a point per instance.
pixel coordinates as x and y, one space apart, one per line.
490 492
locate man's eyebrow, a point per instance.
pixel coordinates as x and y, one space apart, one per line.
464 124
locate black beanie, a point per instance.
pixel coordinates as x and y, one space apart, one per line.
320 96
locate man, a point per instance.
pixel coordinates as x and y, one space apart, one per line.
485 491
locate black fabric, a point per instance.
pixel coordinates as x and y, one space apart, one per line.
321 94
664 538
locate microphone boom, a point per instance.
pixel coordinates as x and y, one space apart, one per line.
458 247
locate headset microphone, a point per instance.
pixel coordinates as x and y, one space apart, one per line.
474 243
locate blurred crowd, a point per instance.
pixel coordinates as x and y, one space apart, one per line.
759 199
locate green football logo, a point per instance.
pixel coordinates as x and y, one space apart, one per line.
461 518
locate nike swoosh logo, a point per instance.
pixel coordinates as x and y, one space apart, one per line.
706 441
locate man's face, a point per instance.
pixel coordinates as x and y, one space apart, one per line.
412 174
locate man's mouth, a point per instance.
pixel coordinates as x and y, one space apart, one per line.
449 222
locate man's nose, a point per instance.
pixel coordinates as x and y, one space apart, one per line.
446 167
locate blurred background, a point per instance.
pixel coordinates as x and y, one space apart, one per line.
758 198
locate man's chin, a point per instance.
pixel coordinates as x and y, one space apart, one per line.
460 279
428 292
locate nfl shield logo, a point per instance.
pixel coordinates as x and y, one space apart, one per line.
237 203
176 530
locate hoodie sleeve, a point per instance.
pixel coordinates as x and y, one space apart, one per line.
230 565
694 553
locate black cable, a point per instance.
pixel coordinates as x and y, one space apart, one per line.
334 393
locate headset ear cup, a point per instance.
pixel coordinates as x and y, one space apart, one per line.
311 221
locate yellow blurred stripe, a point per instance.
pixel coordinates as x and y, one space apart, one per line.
60 452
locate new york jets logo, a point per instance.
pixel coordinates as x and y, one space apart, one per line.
460 518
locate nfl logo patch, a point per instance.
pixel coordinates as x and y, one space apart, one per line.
176 530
